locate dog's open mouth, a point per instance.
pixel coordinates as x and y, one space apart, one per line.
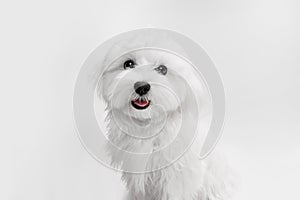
140 103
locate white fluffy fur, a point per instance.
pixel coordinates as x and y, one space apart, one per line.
189 178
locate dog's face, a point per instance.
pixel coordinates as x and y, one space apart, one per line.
144 84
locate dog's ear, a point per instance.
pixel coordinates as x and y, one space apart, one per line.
113 52
100 88
197 103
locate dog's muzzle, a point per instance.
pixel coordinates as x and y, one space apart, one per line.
142 102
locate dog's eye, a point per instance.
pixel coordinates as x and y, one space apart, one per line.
129 64
162 69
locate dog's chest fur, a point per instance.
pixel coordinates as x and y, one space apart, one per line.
153 185
188 178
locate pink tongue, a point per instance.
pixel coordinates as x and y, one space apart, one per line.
141 103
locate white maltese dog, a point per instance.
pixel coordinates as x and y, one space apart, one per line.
148 103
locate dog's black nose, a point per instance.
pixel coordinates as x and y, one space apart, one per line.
141 87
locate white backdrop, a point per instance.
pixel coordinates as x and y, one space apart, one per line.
255 45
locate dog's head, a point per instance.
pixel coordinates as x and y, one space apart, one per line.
148 86
150 93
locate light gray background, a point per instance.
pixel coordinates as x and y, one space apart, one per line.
255 44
